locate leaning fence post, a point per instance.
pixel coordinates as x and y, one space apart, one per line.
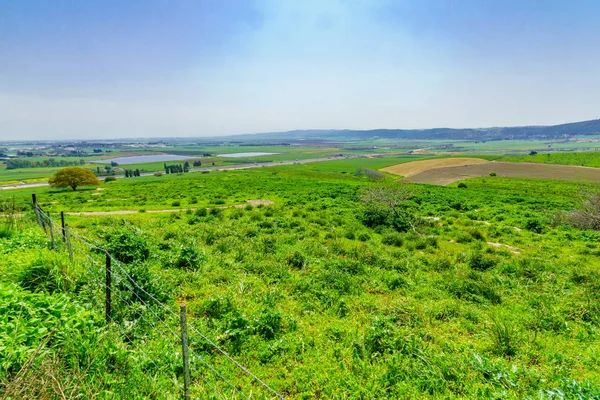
36 210
51 230
108 279
62 223
68 240
184 352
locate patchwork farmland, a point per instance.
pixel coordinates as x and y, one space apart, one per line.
447 173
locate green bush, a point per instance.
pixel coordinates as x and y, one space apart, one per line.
110 179
296 260
128 246
268 324
480 261
393 239
216 307
462 185
141 286
374 216
364 237
534 225
186 257
38 276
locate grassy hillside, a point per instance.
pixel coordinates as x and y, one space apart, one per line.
321 295
583 159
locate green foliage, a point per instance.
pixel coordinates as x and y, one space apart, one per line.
505 338
393 239
38 277
73 177
127 246
302 283
462 185
187 257
534 225
480 261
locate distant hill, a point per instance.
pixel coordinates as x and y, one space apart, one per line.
591 127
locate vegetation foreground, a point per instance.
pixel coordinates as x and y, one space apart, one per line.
478 291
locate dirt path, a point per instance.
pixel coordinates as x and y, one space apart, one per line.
125 212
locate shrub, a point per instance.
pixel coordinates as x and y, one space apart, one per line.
393 239
158 174
534 225
587 213
127 247
110 179
462 185
475 234
481 262
216 307
140 285
492 174
6 232
176 203
201 212
473 291
216 212
364 237
38 277
369 173
380 336
268 324
373 216
186 257
296 260
505 337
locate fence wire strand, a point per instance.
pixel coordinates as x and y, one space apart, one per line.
47 220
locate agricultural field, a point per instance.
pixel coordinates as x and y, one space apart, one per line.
447 175
415 167
582 159
324 289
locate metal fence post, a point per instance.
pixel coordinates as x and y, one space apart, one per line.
68 240
108 282
184 352
62 223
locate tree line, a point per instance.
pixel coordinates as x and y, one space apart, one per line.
130 173
15 163
177 168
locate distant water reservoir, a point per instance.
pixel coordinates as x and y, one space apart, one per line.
143 159
248 154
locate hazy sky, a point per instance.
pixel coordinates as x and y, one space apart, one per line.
119 68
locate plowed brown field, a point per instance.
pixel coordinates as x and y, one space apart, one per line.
447 175
415 167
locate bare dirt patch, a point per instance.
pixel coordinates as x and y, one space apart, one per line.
498 245
447 175
415 167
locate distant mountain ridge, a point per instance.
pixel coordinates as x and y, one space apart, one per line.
591 127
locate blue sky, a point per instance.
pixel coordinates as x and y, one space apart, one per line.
106 69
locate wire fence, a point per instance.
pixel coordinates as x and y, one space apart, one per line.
151 329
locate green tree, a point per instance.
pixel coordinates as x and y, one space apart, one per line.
73 177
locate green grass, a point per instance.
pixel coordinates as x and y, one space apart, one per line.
584 159
312 298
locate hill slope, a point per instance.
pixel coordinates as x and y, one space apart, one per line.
590 127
